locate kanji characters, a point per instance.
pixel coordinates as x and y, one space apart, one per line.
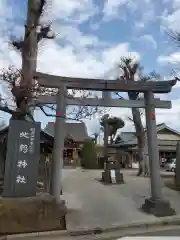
22 164
23 148
32 137
20 179
24 135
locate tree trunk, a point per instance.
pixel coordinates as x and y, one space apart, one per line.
47 173
106 136
30 45
140 134
29 48
3 147
140 139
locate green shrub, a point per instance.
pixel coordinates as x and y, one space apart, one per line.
89 156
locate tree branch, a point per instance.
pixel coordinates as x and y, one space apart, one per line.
54 115
7 110
119 96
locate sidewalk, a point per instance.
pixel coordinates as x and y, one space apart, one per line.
92 204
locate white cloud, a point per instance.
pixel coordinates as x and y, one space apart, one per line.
171 18
149 39
67 61
162 115
5 10
173 58
76 11
147 15
78 39
139 25
79 54
72 54
112 55
174 3
114 9
174 112
7 55
177 85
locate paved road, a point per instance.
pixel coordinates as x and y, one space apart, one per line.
170 232
92 204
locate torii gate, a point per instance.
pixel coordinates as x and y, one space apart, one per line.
156 204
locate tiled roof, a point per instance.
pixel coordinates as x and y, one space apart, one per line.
76 131
129 138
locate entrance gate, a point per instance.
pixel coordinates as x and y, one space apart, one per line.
156 204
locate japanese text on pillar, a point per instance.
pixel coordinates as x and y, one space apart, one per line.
25 148
32 138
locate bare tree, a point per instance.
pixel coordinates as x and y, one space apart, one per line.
21 83
35 31
109 126
174 36
131 70
2 150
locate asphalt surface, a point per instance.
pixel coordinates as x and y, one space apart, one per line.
169 232
92 204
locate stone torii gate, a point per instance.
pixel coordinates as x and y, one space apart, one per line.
156 204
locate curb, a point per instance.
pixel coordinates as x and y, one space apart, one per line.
165 221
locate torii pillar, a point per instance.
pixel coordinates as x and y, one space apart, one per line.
156 204
59 136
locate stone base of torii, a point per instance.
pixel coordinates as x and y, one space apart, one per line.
156 204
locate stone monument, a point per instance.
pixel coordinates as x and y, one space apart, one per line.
111 173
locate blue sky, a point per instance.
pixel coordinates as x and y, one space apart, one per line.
93 35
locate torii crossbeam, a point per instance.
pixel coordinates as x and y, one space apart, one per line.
52 81
99 102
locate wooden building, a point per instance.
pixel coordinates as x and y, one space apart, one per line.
167 141
76 135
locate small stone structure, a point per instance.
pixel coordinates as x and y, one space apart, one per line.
31 214
111 173
158 208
